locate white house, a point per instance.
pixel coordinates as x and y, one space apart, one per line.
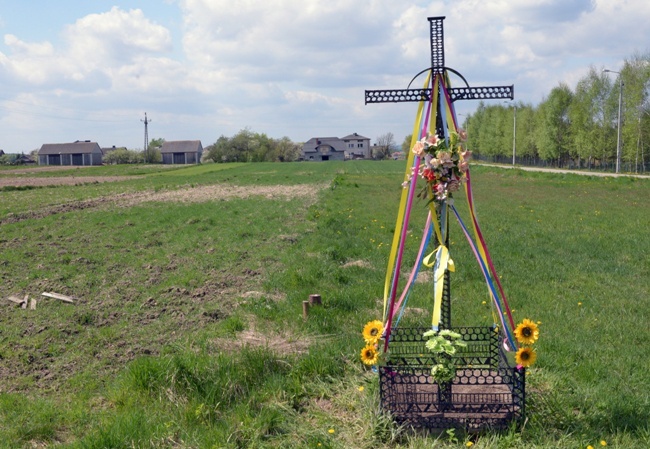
357 146
353 146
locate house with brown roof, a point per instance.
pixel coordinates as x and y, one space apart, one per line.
353 146
181 152
81 152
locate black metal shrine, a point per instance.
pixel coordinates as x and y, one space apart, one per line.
488 391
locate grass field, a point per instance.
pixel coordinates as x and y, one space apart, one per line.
187 328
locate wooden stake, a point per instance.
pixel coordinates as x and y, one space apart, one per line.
305 309
15 299
315 300
32 304
58 296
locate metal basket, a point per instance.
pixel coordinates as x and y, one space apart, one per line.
487 392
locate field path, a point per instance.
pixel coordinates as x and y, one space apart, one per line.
566 171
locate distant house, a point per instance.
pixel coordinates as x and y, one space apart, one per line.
324 149
357 147
353 146
181 152
82 152
23 159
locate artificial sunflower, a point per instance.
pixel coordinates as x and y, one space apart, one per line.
527 332
525 356
372 331
369 355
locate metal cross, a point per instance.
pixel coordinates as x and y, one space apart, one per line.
438 67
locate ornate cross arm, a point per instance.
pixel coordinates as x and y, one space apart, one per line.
456 93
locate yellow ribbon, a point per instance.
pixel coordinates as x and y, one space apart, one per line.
403 200
444 263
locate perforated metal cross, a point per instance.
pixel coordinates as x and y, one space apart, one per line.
438 67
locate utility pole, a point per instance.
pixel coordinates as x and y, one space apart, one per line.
514 131
146 137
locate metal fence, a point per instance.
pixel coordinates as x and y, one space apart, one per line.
568 164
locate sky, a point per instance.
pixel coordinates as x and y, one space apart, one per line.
90 69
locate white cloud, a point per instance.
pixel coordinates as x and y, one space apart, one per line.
115 37
289 67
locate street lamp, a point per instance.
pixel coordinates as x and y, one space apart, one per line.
639 142
620 104
465 122
514 132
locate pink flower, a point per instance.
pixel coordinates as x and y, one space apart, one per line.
463 166
462 134
453 186
441 192
445 159
467 155
432 139
418 148
435 162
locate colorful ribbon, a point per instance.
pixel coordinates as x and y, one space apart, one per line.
440 258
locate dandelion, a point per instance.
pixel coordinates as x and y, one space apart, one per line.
361 388
469 444
579 303
331 431
603 443
590 447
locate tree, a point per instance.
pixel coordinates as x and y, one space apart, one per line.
286 151
406 144
636 93
588 119
384 147
554 125
526 142
124 156
152 153
219 151
247 146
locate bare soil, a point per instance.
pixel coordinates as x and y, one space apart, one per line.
186 195
60 181
42 168
168 316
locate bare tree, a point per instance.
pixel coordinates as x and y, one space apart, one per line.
384 146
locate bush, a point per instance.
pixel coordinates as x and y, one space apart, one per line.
123 156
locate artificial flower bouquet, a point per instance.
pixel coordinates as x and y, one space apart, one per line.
444 164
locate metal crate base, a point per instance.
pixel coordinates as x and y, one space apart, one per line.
486 392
